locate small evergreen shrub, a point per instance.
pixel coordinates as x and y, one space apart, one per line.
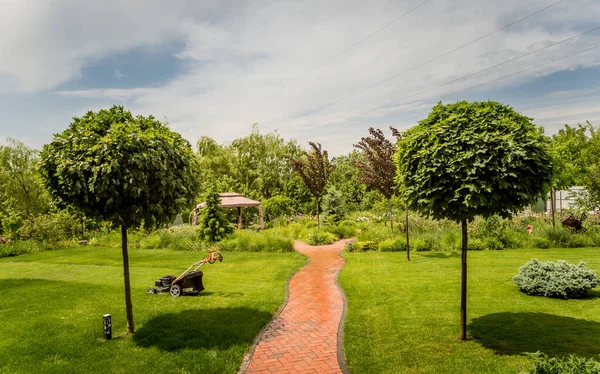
214 225
558 279
419 245
320 238
476 244
392 245
572 364
542 243
342 231
494 244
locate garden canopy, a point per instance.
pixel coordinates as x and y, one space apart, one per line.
232 200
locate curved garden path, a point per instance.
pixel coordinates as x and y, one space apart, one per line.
303 337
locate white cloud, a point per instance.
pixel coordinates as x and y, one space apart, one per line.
239 55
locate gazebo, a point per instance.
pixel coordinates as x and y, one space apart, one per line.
232 200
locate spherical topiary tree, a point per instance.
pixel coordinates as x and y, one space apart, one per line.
468 159
123 169
214 225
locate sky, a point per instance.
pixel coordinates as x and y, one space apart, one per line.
322 71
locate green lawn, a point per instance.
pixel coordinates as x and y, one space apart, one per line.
404 317
51 307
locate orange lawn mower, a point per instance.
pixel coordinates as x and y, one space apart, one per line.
188 283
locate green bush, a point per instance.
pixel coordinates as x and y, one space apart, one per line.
572 364
20 247
320 238
476 244
392 245
493 244
347 222
542 243
342 231
420 245
277 206
558 279
250 241
334 204
310 224
51 227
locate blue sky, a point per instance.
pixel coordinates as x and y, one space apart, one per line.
216 67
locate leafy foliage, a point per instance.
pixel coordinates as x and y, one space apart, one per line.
572 364
334 204
314 168
51 227
21 194
214 225
277 206
120 168
558 279
467 159
377 167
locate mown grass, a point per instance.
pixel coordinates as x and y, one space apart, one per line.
51 308
403 317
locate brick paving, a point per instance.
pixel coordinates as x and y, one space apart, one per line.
303 338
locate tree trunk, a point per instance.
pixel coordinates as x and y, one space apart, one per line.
553 206
390 208
128 306
407 242
318 220
463 284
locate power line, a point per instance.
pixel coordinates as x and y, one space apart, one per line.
344 51
427 62
477 85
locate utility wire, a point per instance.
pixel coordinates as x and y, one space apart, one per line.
475 86
342 52
427 62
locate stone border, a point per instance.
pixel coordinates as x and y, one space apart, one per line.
341 354
248 356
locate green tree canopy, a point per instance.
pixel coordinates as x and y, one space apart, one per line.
123 169
314 168
468 159
19 180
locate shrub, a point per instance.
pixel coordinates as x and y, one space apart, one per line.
342 231
311 224
542 243
366 246
558 279
334 204
250 241
320 238
347 222
572 364
476 244
420 245
493 244
51 227
214 225
392 245
277 206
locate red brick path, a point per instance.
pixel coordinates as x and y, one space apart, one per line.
303 338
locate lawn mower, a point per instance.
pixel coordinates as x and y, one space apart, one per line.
188 283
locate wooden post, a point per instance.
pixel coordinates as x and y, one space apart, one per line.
553 206
260 213
239 217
